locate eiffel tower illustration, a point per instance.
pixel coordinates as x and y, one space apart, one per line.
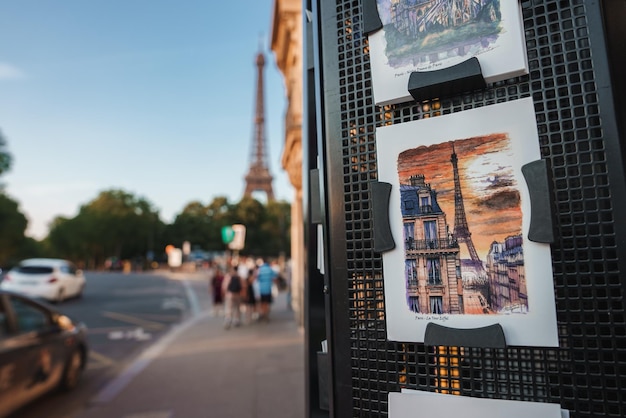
259 177
461 229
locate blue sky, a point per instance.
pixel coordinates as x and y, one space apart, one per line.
154 97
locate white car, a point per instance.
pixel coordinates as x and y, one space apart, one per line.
51 279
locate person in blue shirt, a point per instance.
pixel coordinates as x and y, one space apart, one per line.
265 277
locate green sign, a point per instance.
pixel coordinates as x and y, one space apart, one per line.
228 234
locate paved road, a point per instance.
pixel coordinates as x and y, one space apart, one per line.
124 313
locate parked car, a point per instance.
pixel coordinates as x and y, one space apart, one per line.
40 350
48 278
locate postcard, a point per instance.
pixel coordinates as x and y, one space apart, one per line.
431 35
416 404
459 212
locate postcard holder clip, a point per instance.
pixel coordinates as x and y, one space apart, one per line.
323 372
465 76
316 201
491 336
541 227
371 18
379 194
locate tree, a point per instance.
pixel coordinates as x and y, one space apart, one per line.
5 157
193 225
220 215
251 213
68 238
267 226
12 227
277 227
116 223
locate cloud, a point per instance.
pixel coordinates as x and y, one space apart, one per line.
9 72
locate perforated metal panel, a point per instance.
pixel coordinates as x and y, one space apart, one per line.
569 84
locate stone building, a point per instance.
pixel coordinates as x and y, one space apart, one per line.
432 256
286 44
507 276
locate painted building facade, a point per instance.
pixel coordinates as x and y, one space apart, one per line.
507 276
431 253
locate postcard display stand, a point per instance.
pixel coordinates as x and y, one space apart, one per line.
471 222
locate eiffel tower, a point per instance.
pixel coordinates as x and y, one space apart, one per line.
461 229
259 177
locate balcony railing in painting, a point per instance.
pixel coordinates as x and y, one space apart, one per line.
431 244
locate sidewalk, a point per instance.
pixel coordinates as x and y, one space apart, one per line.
201 370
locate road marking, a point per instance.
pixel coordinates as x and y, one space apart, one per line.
113 388
155 326
137 334
106 330
193 299
101 360
173 303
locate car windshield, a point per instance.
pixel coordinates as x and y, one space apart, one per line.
34 269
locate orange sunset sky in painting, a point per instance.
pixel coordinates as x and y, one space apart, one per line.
488 185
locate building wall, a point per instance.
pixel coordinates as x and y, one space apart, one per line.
448 288
286 44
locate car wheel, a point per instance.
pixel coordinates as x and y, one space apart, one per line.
72 371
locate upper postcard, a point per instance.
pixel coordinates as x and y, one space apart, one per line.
428 35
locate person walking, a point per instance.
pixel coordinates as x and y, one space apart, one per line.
265 276
217 280
233 286
250 299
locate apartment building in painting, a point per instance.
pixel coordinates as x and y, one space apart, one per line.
432 257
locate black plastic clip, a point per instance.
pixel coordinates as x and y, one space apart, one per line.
465 76
491 336
379 194
314 193
541 225
323 374
371 18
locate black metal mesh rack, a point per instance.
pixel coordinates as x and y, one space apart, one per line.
575 85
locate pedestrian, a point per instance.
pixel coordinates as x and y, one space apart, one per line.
250 299
217 280
265 276
233 287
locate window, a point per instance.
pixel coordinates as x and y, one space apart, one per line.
433 268
414 303
34 269
436 304
430 233
29 317
410 272
409 236
68 269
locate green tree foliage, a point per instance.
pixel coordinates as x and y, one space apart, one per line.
220 214
114 224
5 157
277 227
12 227
267 226
118 224
192 224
